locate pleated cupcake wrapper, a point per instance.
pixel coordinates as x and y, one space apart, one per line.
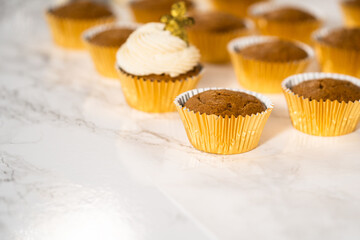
334 59
212 45
66 32
222 135
236 8
300 31
104 57
154 96
264 76
321 118
351 15
144 15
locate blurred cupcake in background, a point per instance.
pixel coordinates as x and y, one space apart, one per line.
285 21
338 50
323 104
351 12
68 21
145 11
103 42
213 31
156 63
223 121
261 63
237 8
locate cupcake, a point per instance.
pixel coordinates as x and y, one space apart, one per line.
145 11
323 104
103 42
284 21
155 66
67 22
262 63
351 12
212 32
338 50
237 8
223 121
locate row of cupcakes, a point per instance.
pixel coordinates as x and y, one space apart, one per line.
156 64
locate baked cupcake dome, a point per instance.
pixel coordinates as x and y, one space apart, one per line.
103 41
338 50
261 64
225 134
324 117
68 21
285 21
213 31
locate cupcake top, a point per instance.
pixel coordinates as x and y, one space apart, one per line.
328 89
288 14
157 4
348 38
82 10
225 103
274 51
153 50
111 37
217 22
353 3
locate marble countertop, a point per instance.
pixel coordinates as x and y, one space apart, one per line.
77 163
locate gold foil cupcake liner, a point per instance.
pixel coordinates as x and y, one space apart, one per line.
321 118
104 57
154 96
234 7
334 59
299 31
264 76
213 45
222 135
66 32
351 14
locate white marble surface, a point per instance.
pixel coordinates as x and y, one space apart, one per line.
77 163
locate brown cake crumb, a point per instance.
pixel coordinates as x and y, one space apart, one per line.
225 103
348 38
274 51
111 37
82 10
165 77
288 14
328 88
217 22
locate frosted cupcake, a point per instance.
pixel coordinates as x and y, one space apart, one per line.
156 64
67 22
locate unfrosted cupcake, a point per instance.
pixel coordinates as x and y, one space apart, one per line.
237 8
212 32
351 12
67 22
146 11
338 50
285 21
103 42
323 104
261 63
155 66
223 121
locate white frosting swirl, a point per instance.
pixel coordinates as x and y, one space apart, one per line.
153 50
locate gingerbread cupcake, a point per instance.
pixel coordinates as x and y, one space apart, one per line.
145 11
323 104
103 42
338 50
285 21
212 32
223 121
261 63
68 22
